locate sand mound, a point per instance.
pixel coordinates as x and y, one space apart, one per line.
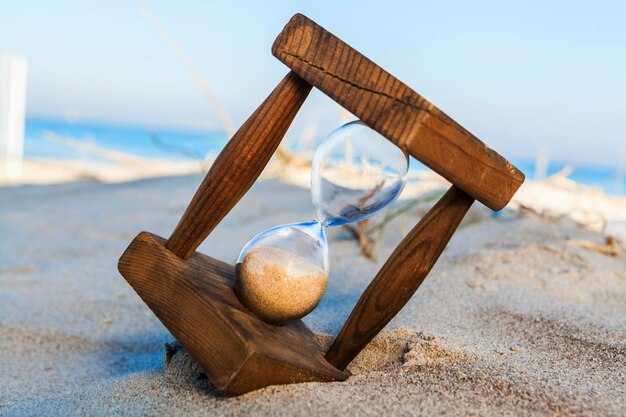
388 352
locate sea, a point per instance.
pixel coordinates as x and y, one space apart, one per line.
184 145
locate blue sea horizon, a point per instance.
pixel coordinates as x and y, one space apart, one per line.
186 144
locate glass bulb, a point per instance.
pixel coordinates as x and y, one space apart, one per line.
281 274
356 172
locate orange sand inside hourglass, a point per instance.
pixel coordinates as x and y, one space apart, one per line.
278 285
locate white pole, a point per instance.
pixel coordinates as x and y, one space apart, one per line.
12 113
542 163
620 174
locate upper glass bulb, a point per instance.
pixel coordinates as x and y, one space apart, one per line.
356 172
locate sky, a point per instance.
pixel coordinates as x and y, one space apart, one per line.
523 76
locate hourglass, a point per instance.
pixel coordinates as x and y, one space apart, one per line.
281 273
194 294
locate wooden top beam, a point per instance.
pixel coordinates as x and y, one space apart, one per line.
396 111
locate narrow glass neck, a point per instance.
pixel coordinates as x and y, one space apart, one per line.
321 221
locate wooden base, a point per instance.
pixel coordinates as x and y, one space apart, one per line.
195 300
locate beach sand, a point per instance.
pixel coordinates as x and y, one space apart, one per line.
513 320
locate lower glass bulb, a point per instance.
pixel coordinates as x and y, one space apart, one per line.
281 274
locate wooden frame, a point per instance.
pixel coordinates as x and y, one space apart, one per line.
193 294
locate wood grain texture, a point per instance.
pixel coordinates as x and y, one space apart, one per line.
195 300
239 165
400 276
396 111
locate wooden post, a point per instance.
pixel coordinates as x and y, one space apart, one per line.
400 277
239 164
12 113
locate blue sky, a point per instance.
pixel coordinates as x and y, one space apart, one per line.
520 75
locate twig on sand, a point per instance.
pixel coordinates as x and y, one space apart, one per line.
403 208
364 231
609 247
359 233
291 159
112 155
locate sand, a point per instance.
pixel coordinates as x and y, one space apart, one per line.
279 286
513 320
